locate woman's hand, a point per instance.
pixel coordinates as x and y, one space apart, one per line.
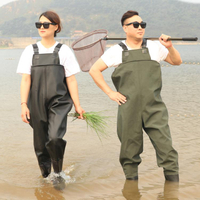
116 96
80 111
25 113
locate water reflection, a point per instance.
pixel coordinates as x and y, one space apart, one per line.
48 192
131 191
170 191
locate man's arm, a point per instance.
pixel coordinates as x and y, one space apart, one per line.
96 73
173 56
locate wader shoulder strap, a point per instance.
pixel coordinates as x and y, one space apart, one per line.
35 48
144 43
57 48
124 47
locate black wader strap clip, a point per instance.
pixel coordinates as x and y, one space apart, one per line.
57 48
35 49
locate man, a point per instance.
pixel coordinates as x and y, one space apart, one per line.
137 78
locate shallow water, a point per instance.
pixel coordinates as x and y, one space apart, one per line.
92 170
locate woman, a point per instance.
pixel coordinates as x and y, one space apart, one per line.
49 87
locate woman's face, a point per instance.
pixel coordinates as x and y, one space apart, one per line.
48 32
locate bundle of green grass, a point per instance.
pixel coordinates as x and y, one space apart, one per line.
95 121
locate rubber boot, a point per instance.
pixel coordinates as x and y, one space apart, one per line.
135 178
58 181
56 148
173 178
45 169
57 165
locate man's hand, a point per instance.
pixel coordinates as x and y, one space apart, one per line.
116 96
164 41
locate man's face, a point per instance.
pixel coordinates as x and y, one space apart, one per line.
131 31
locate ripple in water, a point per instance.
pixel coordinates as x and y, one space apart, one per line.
64 174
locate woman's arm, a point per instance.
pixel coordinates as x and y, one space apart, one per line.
25 88
73 90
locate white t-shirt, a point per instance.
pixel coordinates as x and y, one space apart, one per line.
66 56
113 56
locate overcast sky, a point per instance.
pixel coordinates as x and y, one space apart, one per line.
3 2
191 1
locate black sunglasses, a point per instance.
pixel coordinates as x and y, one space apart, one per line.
137 24
45 24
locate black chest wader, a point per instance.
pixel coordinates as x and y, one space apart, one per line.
139 79
49 104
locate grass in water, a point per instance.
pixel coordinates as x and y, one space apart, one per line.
95 121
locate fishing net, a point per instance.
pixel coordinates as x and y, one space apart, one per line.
89 48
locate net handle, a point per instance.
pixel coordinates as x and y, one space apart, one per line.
153 38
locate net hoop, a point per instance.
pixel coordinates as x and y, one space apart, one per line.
89 48
102 31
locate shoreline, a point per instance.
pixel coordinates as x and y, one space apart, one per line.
23 42
108 45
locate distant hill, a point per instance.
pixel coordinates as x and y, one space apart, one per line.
171 17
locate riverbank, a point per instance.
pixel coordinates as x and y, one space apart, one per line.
22 42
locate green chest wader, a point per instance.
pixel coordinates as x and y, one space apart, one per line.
139 79
49 105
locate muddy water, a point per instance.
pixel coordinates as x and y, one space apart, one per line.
91 167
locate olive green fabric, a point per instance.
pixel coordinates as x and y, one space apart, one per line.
139 79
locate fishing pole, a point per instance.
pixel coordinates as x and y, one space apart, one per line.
92 45
152 38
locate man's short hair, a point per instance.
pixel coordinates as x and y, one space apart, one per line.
127 15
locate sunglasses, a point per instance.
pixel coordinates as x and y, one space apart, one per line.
45 24
137 24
